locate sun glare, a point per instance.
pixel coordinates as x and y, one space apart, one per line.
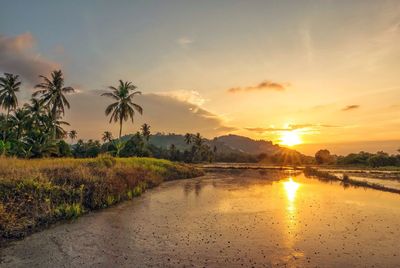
291 189
290 138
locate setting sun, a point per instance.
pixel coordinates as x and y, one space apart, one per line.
290 138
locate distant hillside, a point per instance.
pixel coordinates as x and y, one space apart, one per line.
247 145
224 144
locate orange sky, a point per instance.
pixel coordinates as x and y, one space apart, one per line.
327 70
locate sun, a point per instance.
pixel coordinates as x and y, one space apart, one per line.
290 138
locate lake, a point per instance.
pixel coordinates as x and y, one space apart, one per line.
230 218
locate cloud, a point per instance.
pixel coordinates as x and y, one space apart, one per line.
191 96
265 85
17 56
163 113
351 107
226 129
184 41
291 127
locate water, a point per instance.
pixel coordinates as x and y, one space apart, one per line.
228 219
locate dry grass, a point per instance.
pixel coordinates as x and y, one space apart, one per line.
35 193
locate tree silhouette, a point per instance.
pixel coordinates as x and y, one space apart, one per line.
52 95
72 135
146 131
107 136
188 138
9 86
124 107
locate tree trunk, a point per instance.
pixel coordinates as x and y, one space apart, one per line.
5 130
120 127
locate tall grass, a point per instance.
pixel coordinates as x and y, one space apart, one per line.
35 193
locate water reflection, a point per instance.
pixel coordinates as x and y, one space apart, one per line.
291 187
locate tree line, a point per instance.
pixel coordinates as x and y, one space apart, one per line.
36 129
379 159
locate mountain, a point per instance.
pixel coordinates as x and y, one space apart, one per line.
248 145
224 144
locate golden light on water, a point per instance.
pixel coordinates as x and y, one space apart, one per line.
290 138
291 189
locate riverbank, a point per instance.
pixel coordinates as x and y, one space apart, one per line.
37 193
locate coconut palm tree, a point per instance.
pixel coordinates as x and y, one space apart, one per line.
9 86
36 110
107 136
19 121
72 135
146 131
52 93
124 107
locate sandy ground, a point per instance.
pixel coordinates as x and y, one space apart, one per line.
227 219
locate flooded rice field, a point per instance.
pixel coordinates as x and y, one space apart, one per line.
240 218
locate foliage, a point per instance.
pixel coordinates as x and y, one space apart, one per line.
124 107
35 193
324 157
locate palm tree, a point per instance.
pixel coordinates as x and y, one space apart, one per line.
36 110
146 131
9 85
19 121
188 138
124 107
72 135
107 136
53 93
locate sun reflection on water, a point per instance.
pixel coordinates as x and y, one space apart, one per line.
291 189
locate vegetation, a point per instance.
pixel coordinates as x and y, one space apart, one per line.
379 159
35 193
124 107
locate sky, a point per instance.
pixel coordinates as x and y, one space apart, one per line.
328 71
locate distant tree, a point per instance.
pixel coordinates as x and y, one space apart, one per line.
146 131
173 153
188 138
72 135
9 86
323 157
107 136
124 107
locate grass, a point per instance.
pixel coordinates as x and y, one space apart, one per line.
36 193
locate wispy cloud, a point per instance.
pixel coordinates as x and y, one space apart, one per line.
17 55
263 86
291 127
190 96
350 107
184 41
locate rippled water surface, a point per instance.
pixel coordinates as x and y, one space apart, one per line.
228 219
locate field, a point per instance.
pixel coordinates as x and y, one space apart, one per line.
36 193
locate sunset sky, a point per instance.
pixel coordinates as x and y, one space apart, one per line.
328 71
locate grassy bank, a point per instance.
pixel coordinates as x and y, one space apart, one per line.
36 193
